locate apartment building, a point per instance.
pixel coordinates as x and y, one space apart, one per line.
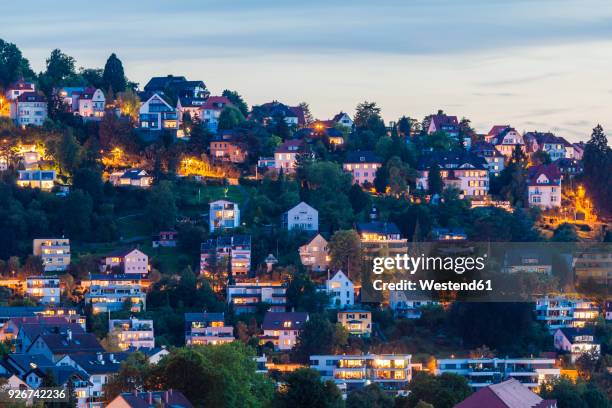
362 166
54 252
381 237
282 329
223 215
392 372
245 296
356 322
115 294
481 372
44 289
207 328
576 341
43 179
559 311
216 252
133 333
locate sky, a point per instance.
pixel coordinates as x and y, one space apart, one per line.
536 65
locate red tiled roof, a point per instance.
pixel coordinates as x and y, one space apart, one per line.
442 119
508 394
497 129
213 102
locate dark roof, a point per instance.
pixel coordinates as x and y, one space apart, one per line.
20 311
62 373
274 320
166 399
204 317
160 83
508 394
572 332
226 241
497 129
485 149
31 97
551 171
365 156
291 146
456 159
21 84
99 363
547 137
275 108
441 120
80 343
187 101
134 174
338 116
378 227
24 361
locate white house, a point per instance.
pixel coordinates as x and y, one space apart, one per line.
16 89
133 333
507 140
544 186
223 215
302 217
132 177
285 155
45 289
55 253
458 169
157 114
92 103
576 341
340 290
283 329
29 108
343 119
129 261
560 311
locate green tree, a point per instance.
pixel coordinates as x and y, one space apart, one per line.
302 294
161 206
370 396
345 252
320 336
230 118
304 389
12 64
597 161
367 117
565 233
113 77
434 180
132 375
444 391
237 101
76 214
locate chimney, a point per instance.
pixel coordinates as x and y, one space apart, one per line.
69 334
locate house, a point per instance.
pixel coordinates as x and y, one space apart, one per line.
494 132
392 372
380 237
495 160
13 312
528 260
157 114
126 261
272 111
362 165
164 239
211 111
569 168
228 146
408 305
556 147
458 169
44 289
91 104
576 341
315 254
149 399
66 377
343 119
301 217
29 108
24 330
207 328
560 311
286 155
20 364
282 329
245 296
113 292
441 122
43 179
223 215
178 86
593 266
215 252
448 234
18 88
190 106
154 355
507 140
54 252
132 177
356 322
544 186
99 367
133 333
341 290
55 346
508 394
481 372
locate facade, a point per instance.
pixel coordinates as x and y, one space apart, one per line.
211 111
535 260
482 372
594 266
559 311
441 122
495 160
343 119
227 146
207 328
301 217
544 186
340 290
273 111
315 254
133 333
392 372
356 322
362 166
29 108
448 234
133 177
285 155
380 237
43 179
55 253
458 169
282 328
576 341
91 104
44 289
245 296
115 297
156 114
223 215
507 140
555 146
215 252
127 261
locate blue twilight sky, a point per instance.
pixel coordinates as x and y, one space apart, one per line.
544 65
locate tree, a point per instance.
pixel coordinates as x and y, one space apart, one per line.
113 77
304 389
92 76
444 391
60 68
308 118
230 118
237 101
302 294
565 233
129 104
597 161
541 157
400 176
320 336
345 252
76 214
12 64
370 396
367 113
134 371
434 180
161 206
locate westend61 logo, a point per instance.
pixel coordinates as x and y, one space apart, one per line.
411 264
